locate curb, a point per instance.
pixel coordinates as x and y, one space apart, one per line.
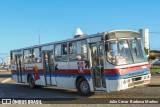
5 80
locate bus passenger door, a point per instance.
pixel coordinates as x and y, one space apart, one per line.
48 66
97 66
18 58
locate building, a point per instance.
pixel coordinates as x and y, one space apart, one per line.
144 34
8 59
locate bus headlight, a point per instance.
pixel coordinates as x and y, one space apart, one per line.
146 77
124 82
129 80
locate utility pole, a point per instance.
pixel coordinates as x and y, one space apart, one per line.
39 37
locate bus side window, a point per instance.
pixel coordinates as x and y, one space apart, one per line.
64 49
57 51
72 51
72 48
64 53
12 58
30 55
27 56
36 55
82 50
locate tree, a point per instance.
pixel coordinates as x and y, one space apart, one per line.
152 57
146 51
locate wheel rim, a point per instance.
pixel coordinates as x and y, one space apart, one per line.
84 87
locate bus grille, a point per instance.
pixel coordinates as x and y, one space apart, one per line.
136 79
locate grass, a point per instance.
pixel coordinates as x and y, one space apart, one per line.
155 69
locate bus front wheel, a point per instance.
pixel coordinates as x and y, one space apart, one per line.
31 82
83 87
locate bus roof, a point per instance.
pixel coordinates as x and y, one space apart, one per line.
75 39
62 41
122 31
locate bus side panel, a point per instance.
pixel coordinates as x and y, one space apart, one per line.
40 81
64 78
41 72
64 81
14 73
24 78
14 76
112 85
29 71
53 79
80 69
70 82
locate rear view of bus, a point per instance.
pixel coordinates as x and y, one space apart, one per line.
126 63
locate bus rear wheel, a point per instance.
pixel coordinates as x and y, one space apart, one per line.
83 87
31 82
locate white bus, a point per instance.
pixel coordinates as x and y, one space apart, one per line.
108 61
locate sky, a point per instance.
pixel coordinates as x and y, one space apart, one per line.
22 21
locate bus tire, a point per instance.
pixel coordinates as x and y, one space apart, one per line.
31 82
83 87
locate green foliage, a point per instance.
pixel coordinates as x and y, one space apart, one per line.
155 69
146 51
152 57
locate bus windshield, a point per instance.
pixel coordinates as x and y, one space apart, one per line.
125 51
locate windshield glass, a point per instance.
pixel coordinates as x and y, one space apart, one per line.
137 50
120 52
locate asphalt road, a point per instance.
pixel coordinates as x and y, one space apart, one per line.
4 74
11 89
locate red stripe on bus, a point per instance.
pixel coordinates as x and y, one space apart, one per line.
88 71
127 69
72 71
13 70
111 71
134 68
65 71
40 70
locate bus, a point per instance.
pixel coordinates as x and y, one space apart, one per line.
108 61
